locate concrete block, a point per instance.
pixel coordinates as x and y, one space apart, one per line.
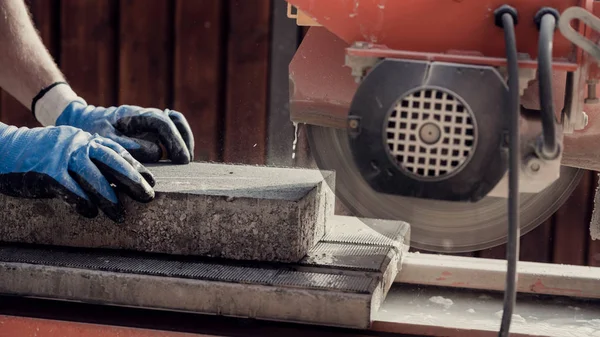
227 211
342 281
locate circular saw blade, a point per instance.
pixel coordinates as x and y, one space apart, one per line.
436 226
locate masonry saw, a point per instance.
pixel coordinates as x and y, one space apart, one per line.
410 103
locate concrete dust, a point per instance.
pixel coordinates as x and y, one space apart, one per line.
515 317
445 302
323 258
295 143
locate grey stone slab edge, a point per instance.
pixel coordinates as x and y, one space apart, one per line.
372 232
364 245
278 303
142 264
360 244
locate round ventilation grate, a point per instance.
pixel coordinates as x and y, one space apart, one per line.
431 133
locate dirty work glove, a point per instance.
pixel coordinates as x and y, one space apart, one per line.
73 165
141 131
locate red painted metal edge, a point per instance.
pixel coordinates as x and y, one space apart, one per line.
436 26
383 52
11 326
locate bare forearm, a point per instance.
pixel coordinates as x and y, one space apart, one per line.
26 67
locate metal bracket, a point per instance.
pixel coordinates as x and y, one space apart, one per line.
360 64
302 19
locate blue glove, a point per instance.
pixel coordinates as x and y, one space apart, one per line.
73 165
140 131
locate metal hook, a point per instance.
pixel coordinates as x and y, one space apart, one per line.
564 24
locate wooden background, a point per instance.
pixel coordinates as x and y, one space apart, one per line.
223 64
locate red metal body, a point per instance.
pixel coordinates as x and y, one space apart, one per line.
453 57
437 26
322 88
458 31
11 326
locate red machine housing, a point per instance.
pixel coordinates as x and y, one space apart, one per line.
458 31
445 27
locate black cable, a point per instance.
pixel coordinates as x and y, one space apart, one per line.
546 20
508 19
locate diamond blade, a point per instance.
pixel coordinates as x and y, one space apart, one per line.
436 226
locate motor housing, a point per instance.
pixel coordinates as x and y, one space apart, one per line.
430 130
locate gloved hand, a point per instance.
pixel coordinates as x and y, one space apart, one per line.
140 131
73 165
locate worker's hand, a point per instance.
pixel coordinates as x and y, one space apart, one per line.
141 131
73 165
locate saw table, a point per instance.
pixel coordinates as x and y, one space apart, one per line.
421 302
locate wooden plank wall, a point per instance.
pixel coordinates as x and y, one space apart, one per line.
206 58
211 59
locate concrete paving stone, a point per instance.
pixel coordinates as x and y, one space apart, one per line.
218 210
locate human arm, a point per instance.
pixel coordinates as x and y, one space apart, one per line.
26 67
28 73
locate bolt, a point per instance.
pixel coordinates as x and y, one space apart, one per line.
353 124
591 94
534 165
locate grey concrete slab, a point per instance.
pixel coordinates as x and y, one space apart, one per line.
278 302
338 283
228 211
